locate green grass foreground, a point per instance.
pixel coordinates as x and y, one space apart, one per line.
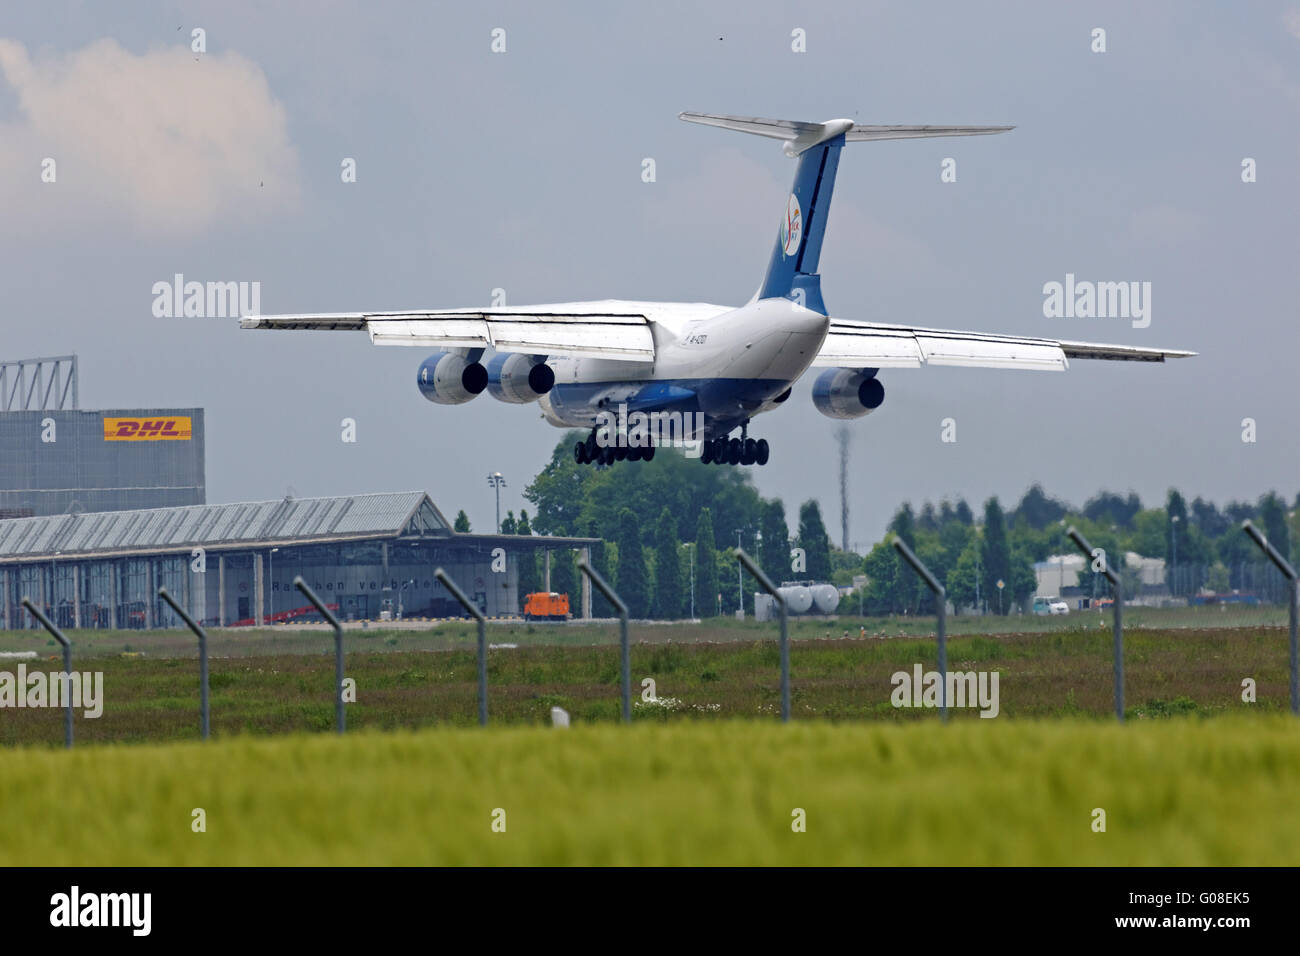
1179 792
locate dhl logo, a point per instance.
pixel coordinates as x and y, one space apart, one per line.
147 429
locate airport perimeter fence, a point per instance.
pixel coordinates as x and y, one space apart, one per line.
1286 581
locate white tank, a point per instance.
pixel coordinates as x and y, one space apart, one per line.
826 598
798 599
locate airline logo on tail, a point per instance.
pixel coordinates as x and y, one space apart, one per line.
792 226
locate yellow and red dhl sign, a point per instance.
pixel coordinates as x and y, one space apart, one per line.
148 429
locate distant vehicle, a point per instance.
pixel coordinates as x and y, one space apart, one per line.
1050 605
544 606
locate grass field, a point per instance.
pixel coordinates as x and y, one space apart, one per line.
1185 792
449 635
1060 674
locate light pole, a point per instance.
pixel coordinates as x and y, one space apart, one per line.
740 576
270 573
497 481
1173 541
691 545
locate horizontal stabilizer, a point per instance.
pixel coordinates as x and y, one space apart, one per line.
804 134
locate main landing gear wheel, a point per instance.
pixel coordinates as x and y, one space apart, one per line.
580 453
735 451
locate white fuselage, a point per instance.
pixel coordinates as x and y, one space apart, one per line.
728 364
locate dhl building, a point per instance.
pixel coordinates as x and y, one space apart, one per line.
61 461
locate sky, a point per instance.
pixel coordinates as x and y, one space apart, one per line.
521 170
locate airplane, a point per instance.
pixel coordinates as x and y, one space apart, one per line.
715 367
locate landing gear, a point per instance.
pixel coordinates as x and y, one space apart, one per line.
588 452
736 451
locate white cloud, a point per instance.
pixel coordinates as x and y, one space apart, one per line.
166 143
1291 19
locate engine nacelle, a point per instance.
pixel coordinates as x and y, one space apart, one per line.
514 378
847 392
450 379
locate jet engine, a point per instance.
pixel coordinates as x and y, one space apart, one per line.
847 392
446 378
514 378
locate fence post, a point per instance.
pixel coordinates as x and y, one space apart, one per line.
203 657
625 652
941 618
1289 573
325 612
468 605
1117 592
766 583
67 667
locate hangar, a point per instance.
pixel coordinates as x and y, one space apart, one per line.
234 564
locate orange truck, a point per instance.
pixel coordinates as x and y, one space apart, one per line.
544 606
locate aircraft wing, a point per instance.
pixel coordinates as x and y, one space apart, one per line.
609 330
871 345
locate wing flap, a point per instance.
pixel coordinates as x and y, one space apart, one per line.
969 352
853 347
577 329
869 345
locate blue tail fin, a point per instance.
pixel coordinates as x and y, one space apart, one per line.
792 271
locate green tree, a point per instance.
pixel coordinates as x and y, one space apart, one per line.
508 523
960 582
462 523
904 525
908 584
564 578
706 565
1108 508
1176 552
995 556
530 580
963 513
885 581
1148 537
1038 510
1023 582
775 555
668 597
603 565
558 492
631 579
1272 514
814 541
